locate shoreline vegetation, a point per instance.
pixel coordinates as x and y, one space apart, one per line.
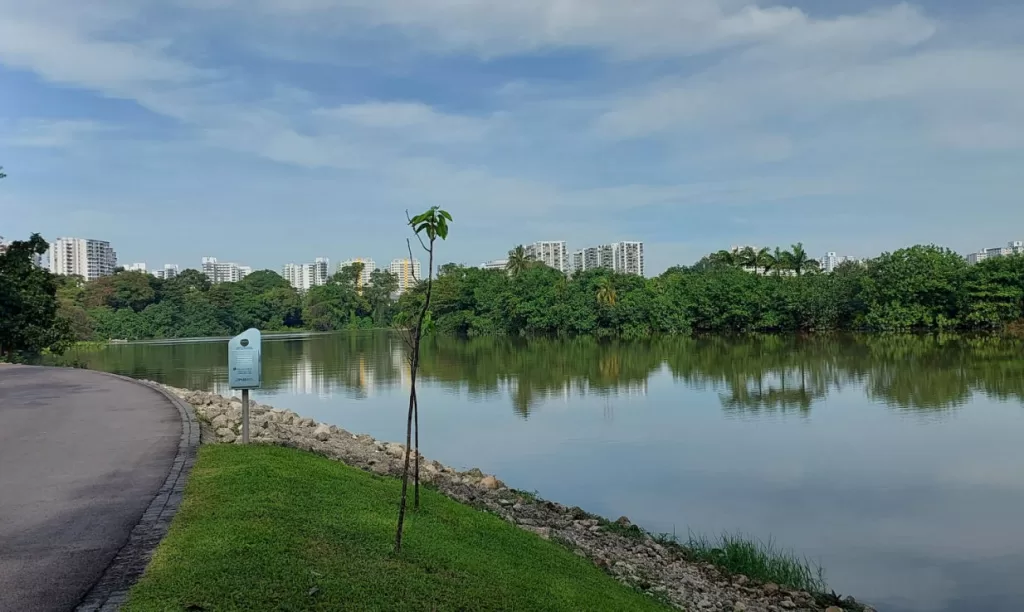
731 574
920 288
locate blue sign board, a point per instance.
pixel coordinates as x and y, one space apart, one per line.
245 364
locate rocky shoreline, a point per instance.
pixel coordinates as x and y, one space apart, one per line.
661 569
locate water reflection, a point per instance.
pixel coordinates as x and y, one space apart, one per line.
751 375
800 438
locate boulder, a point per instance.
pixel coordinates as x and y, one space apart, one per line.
544 532
322 432
395 450
490 482
226 435
220 421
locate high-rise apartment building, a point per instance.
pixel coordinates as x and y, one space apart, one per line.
89 259
299 276
364 276
224 272
831 261
622 257
169 271
408 273
305 276
322 270
551 253
135 267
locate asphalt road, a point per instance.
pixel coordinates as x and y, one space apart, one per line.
81 457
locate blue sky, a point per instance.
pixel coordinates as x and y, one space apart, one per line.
273 131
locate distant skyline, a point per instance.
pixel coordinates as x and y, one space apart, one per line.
284 130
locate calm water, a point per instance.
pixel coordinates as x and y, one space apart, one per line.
896 462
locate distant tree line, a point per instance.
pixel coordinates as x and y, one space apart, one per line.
136 305
917 288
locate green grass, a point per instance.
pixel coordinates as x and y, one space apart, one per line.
269 528
758 560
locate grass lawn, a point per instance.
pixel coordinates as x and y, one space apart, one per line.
269 528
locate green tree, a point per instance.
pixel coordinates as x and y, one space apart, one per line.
29 318
606 292
518 261
379 294
798 261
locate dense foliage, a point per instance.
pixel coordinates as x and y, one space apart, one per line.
921 287
135 305
29 321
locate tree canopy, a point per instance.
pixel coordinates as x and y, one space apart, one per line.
920 287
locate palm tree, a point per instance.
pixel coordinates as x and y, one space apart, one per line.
747 257
606 292
798 261
518 261
723 258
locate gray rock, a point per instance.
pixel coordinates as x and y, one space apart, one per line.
226 435
544 532
395 450
219 421
787 604
322 432
490 482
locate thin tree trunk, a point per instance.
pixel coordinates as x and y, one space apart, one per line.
416 472
414 366
416 403
408 443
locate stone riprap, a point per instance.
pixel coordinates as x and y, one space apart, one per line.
621 549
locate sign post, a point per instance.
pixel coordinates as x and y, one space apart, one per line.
245 369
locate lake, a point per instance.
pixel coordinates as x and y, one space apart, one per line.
896 462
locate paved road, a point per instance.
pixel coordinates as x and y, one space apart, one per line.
81 457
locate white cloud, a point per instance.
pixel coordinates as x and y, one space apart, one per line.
625 29
930 86
63 55
412 120
50 134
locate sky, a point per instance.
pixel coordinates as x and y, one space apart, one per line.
274 131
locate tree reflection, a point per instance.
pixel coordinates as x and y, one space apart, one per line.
752 374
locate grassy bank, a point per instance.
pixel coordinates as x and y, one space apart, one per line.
272 528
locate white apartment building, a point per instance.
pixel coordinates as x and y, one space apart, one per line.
623 257
135 267
592 258
628 257
89 259
976 258
368 267
408 273
224 272
299 276
494 264
305 276
169 271
551 253
1015 247
831 261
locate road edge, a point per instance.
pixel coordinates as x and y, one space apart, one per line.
111 591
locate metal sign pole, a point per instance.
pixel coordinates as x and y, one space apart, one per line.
245 369
245 416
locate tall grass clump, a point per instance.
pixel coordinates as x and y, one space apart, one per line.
758 560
